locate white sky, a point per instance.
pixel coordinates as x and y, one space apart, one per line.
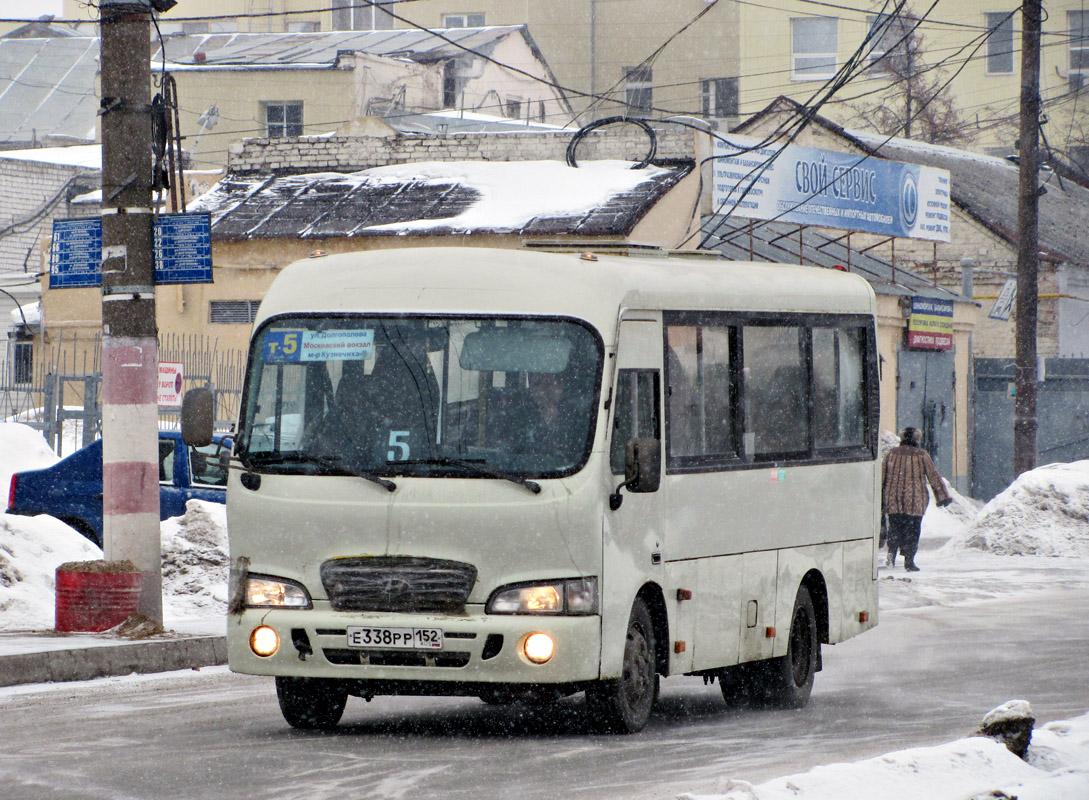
29 9
1018 543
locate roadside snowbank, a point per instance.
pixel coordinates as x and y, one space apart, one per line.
1044 512
1057 768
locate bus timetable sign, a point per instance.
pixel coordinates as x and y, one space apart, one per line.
182 251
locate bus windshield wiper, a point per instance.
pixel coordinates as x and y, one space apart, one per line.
477 467
329 462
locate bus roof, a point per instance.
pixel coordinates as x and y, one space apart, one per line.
468 280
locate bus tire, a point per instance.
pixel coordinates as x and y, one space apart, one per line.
311 703
624 705
789 679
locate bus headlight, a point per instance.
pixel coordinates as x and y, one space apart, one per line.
565 597
260 592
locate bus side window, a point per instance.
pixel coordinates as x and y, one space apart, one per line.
636 412
776 389
699 369
839 389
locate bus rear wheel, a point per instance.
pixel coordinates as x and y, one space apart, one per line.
311 703
788 681
624 705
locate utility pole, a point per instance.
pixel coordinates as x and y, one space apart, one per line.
130 421
1028 251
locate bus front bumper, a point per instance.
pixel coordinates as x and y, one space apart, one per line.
477 649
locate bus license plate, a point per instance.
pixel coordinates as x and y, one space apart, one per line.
396 638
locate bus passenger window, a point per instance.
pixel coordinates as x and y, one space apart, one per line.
636 414
700 394
839 391
776 389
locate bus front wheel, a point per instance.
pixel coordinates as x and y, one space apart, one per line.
311 703
624 705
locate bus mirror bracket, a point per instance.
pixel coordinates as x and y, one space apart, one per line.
198 416
642 469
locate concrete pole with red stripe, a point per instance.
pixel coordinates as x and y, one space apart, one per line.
130 450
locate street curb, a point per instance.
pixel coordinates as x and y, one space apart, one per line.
86 663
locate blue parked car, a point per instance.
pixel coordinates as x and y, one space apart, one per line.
71 489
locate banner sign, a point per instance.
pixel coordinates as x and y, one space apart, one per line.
182 250
930 326
809 186
168 389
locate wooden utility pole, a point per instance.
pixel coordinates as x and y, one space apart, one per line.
1028 251
130 450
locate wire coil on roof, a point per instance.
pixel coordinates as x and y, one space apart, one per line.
578 136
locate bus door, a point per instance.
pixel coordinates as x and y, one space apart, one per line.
634 545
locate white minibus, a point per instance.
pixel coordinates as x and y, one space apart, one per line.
521 475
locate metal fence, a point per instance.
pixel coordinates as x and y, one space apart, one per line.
62 399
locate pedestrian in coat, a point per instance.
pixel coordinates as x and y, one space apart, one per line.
906 471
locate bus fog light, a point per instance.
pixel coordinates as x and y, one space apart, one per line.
264 641
538 647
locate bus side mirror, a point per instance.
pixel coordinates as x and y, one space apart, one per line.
198 417
642 469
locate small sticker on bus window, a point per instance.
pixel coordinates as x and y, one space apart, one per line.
331 345
778 475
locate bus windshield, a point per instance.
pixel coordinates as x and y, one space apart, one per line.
421 396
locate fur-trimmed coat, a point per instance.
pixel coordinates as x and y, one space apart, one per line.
903 481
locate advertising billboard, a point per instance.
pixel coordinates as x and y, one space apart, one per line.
810 186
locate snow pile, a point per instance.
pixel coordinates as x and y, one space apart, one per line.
195 565
196 560
31 549
21 448
1044 512
1057 768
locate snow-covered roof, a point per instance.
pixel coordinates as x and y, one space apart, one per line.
604 198
47 88
323 48
87 156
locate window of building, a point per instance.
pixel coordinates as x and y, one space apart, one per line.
1000 44
891 39
814 47
719 97
513 108
283 119
638 88
22 366
361 17
463 21
233 312
1078 23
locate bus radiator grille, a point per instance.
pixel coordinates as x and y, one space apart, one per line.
395 583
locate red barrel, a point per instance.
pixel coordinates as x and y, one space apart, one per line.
95 600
